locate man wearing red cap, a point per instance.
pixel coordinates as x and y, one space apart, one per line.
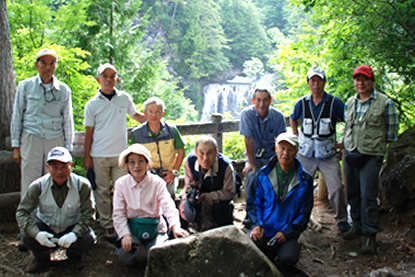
371 122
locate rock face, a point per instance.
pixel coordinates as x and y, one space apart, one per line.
224 251
398 176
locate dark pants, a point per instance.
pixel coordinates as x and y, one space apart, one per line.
285 254
362 190
42 253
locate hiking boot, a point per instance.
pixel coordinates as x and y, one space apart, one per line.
353 231
343 227
369 245
110 235
36 266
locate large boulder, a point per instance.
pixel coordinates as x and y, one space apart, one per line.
224 251
398 176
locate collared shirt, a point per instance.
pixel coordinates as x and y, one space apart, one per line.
263 131
36 115
227 192
31 201
392 119
148 198
110 123
338 108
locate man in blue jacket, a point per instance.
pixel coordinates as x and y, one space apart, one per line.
284 200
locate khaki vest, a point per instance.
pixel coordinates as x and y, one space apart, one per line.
369 135
60 218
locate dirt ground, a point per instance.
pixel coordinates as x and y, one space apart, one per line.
395 248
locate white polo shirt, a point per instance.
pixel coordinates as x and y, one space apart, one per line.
110 123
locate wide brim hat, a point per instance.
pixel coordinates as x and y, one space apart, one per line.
135 148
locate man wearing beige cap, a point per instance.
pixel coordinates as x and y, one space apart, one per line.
371 123
64 212
283 201
42 118
105 138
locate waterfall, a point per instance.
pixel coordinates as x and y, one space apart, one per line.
231 96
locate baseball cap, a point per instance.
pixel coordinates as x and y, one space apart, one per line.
365 70
316 71
59 154
46 52
105 66
135 148
288 137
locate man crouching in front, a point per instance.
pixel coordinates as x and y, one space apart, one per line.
64 211
284 200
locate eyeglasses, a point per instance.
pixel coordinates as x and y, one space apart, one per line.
48 93
154 112
136 162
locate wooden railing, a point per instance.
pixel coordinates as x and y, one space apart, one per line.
216 128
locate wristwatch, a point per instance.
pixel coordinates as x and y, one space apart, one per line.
175 172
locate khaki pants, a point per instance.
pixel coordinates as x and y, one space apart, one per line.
105 168
33 154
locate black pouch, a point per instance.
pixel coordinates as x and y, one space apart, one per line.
356 159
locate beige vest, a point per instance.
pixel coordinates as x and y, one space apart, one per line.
368 135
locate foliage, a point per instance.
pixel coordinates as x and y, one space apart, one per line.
109 30
253 68
347 34
245 34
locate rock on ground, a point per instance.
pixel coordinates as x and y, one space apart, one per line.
224 251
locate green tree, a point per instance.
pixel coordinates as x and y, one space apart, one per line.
246 36
347 34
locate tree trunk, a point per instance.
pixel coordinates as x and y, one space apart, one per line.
9 173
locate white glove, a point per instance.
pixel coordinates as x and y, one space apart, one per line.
66 240
43 238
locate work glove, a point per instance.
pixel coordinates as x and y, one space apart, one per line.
66 240
43 238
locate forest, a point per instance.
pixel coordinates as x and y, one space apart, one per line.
171 49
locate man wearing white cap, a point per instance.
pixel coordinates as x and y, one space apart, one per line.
319 112
63 213
283 201
105 138
42 118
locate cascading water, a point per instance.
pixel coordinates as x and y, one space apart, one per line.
231 96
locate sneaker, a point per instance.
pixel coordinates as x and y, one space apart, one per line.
343 227
110 235
36 266
353 231
369 245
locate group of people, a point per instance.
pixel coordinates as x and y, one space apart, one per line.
134 187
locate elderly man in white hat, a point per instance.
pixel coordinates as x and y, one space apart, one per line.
42 118
283 200
63 213
142 205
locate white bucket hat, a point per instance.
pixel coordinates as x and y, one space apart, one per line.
135 148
